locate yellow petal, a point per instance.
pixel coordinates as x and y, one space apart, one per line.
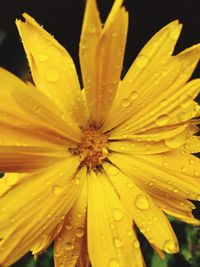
158 174
52 68
21 207
154 54
163 97
91 31
68 244
35 118
184 218
193 144
83 260
151 142
104 56
145 213
180 210
29 159
111 239
46 240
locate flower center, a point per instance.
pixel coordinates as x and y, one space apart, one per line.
92 148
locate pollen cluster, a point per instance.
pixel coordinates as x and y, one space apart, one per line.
92 148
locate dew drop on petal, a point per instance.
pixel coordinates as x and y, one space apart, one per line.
112 171
169 246
68 246
43 57
136 244
175 141
162 120
56 189
126 102
182 116
68 226
142 202
191 161
134 95
164 103
186 102
175 190
117 242
196 173
113 263
52 75
79 232
198 197
117 214
183 169
141 61
114 34
129 233
130 185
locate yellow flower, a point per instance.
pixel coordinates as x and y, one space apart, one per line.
86 167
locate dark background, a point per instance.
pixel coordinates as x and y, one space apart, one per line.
63 18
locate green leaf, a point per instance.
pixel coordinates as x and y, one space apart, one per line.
157 262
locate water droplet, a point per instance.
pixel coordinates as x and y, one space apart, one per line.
155 219
112 171
43 57
126 102
148 146
182 116
130 185
191 161
52 75
187 100
117 214
183 169
142 202
141 61
162 120
117 242
164 103
134 95
112 226
68 226
186 146
169 246
79 232
196 173
136 244
129 233
92 30
198 198
196 108
68 246
175 190
56 189
175 141
113 263
114 34
77 180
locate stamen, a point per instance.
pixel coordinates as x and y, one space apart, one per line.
92 148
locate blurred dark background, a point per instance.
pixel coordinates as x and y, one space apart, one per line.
63 19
